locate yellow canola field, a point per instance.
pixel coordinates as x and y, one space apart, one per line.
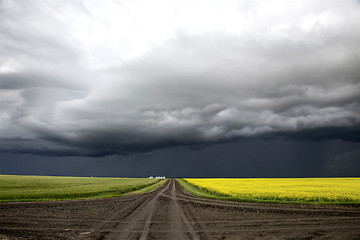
321 190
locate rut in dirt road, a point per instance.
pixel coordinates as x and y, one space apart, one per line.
137 225
178 218
169 212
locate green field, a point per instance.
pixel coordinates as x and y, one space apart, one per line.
344 191
43 188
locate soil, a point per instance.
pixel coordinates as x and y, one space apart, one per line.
169 212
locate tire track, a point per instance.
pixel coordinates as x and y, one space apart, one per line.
178 217
144 211
203 230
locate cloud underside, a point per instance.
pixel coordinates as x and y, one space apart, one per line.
61 96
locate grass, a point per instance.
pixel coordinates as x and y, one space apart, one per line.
196 191
42 188
341 191
149 188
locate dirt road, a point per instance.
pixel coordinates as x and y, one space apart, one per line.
171 213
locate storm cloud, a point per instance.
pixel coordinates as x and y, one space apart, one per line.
91 78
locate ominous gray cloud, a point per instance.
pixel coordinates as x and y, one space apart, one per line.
246 158
346 162
91 78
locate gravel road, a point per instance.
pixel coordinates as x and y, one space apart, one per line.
171 213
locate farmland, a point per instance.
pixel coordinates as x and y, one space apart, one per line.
40 188
293 190
169 212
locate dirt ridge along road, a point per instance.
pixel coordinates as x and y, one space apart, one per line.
169 212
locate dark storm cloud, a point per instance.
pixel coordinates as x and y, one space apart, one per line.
250 158
341 163
77 79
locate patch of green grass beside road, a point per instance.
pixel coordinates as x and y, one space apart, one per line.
194 190
14 188
149 188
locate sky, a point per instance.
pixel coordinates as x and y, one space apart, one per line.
247 88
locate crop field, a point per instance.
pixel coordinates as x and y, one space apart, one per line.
39 188
297 190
